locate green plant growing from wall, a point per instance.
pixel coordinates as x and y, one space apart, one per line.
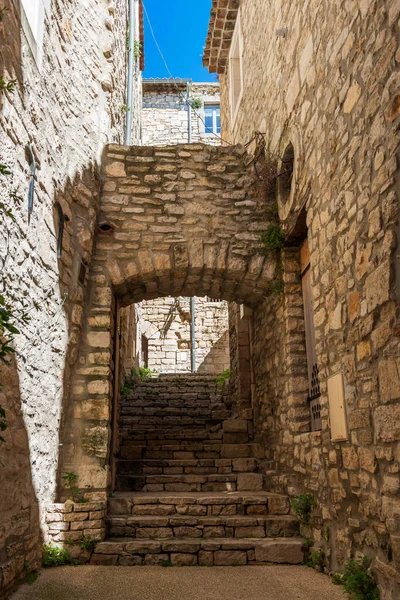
358 582
225 375
137 49
53 556
196 103
7 86
142 373
273 238
316 560
71 482
125 108
88 543
303 506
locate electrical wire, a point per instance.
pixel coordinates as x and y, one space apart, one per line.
183 98
258 137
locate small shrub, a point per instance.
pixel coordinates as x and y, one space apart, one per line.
31 577
142 373
316 560
196 103
137 49
166 563
302 506
88 543
225 375
52 556
273 239
125 388
70 481
358 583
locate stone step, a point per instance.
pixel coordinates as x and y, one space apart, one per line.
197 551
160 409
185 450
206 527
173 437
189 482
191 466
198 504
140 423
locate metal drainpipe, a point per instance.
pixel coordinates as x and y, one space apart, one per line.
192 302
131 69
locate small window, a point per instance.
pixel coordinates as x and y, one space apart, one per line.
145 351
32 18
212 118
236 70
312 364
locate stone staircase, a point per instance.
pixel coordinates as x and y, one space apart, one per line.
176 435
188 490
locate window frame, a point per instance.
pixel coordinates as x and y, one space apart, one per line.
34 32
216 106
235 53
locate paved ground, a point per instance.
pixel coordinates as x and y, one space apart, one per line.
186 583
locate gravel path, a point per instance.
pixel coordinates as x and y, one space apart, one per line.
187 583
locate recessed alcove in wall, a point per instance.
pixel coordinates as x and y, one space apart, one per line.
285 177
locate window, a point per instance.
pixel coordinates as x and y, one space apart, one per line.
312 365
236 70
32 18
212 118
145 351
286 175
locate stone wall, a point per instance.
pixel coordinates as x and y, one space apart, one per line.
331 87
76 527
165 116
166 324
66 108
182 220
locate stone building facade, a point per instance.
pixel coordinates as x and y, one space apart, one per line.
319 80
165 331
69 61
165 111
165 122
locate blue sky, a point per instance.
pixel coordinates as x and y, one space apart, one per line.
180 27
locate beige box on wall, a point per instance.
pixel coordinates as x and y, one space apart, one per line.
337 408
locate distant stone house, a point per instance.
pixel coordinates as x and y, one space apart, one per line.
165 112
317 81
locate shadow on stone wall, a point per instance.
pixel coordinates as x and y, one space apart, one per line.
10 36
75 209
217 359
20 536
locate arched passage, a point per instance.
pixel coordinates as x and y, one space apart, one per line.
181 220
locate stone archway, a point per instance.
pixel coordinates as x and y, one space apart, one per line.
179 220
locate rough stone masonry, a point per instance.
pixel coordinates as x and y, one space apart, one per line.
327 85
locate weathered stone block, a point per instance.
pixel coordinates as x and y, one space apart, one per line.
387 422
180 559
250 481
280 552
230 557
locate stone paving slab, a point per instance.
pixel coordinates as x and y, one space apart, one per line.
189 583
